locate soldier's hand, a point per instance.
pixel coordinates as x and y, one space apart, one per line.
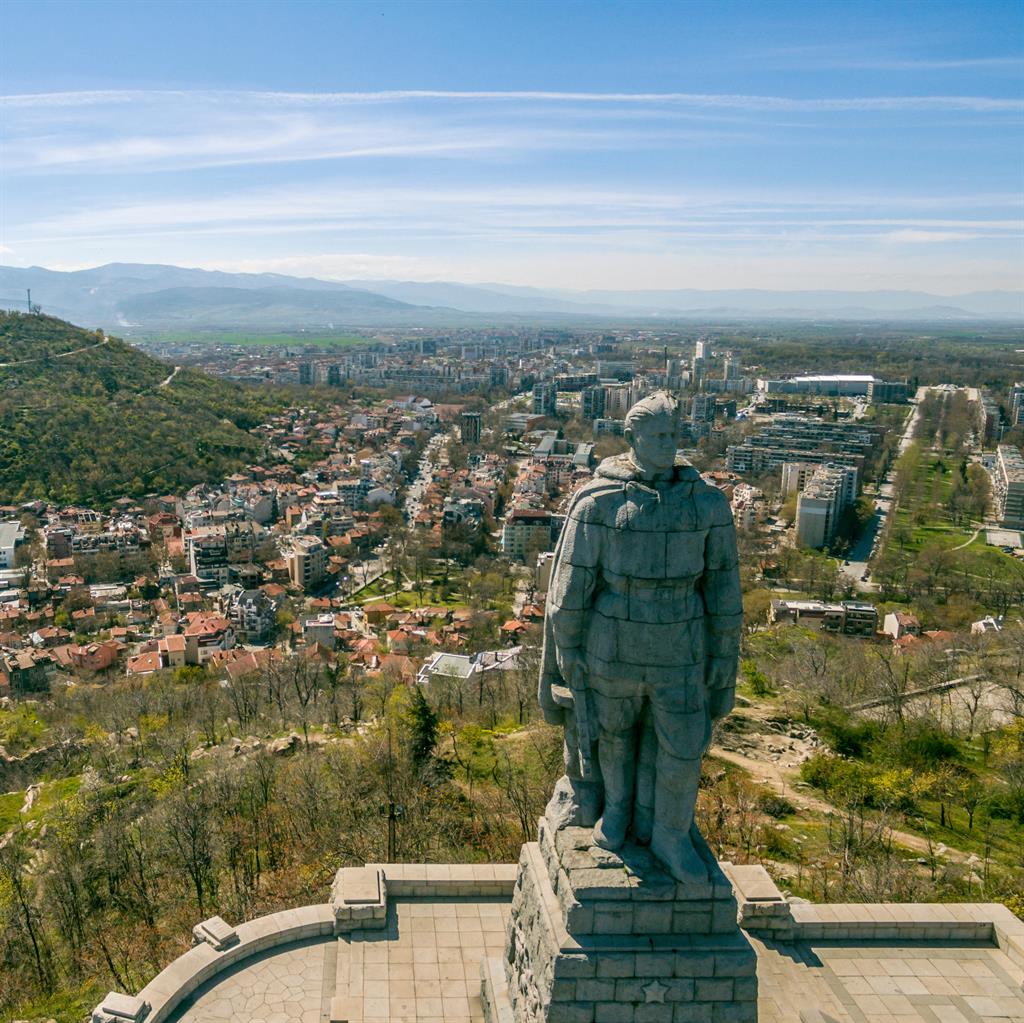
572 667
553 715
720 702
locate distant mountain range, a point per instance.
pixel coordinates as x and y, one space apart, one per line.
138 297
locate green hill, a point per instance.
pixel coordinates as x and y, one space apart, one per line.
84 419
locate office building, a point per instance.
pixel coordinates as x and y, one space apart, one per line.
832 385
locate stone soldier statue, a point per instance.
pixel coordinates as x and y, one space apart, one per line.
641 642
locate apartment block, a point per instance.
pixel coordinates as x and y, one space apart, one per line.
1008 486
820 503
545 399
849 617
469 427
1017 404
307 561
213 549
793 438
529 529
592 403
887 392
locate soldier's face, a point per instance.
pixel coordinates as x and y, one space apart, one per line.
654 441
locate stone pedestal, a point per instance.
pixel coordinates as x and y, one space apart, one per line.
601 937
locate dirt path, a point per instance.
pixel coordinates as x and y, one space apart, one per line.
61 355
967 543
784 782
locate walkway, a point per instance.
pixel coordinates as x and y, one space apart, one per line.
425 968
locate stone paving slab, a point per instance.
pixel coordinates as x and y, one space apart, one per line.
281 986
424 967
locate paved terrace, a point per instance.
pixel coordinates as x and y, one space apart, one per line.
419 961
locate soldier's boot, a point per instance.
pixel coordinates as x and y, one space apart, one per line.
643 812
675 799
616 753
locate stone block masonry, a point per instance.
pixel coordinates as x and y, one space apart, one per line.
598 937
359 898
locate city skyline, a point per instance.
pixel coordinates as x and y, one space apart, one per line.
663 146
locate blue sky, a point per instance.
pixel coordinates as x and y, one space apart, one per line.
777 145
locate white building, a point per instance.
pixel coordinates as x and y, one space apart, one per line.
1008 484
746 505
12 533
821 502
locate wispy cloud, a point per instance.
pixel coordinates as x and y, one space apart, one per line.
728 101
932 64
421 183
348 208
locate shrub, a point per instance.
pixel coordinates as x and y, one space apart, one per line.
775 805
849 738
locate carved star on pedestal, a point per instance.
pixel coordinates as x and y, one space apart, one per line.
655 991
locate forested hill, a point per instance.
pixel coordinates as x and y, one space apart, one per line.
87 419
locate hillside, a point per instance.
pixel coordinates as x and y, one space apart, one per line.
87 419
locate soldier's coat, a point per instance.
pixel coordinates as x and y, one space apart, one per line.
645 581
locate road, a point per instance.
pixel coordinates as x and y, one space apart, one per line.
856 565
418 487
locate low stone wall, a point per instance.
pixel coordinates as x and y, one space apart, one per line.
447 880
762 910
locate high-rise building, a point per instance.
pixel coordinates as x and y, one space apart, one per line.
1017 404
1009 486
821 502
887 392
697 374
305 373
593 403
702 408
470 427
700 350
731 366
545 399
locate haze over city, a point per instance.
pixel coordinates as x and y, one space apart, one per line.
573 146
